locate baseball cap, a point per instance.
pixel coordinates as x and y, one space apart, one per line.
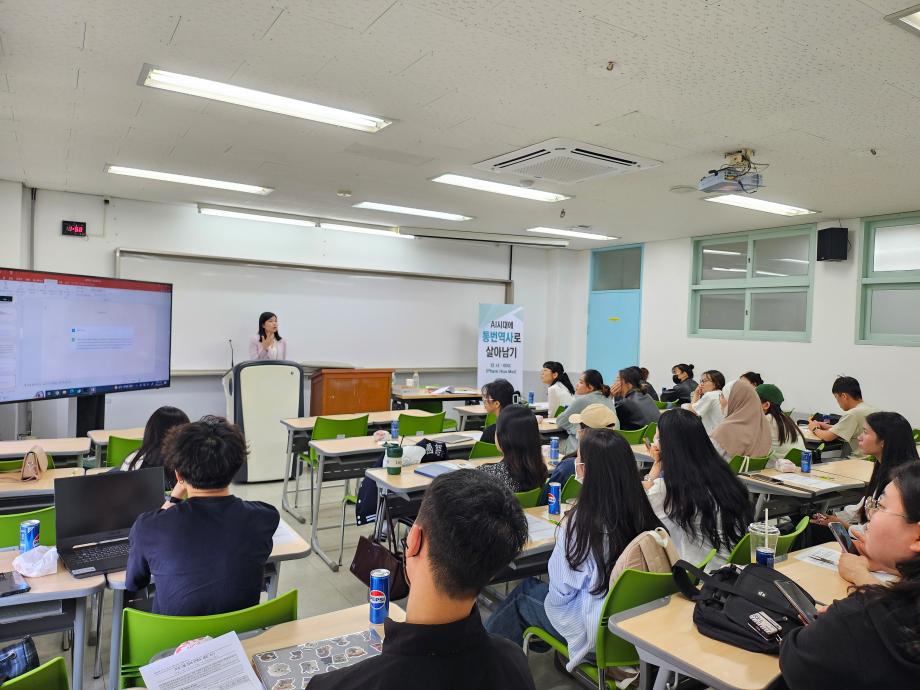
596 416
770 393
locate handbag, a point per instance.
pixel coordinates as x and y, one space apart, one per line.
34 464
371 555
17 658
730 596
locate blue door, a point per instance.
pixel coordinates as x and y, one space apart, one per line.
614 309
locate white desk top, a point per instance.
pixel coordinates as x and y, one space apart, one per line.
339 447
61 585
15 450
307 423
100 437
409 481
11 485
403 393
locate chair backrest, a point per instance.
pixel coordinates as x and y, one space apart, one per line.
119 448
650 431
571 490
559 410
432 406
528 499
13 465
325 428
633 437
744 463
491 418
411 425
661 405
794 455
9 527
481 449
145 634
51 675
917 435
741 554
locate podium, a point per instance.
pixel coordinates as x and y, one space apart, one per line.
259 394
341 391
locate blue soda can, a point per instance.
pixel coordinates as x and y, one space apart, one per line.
379 595
554 498
806 461
28 535
765 556
394 429
530 398
554 448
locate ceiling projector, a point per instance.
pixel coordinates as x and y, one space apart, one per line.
739 174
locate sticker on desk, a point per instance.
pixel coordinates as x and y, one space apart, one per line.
300 663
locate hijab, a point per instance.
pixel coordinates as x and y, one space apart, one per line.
745 429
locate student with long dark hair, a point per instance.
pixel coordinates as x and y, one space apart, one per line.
889 438
753 378
518 439
693 492
647 388
589 390
706 400
267 343
784 433
612 510
496 396
635 409
871 639
560 391
150 454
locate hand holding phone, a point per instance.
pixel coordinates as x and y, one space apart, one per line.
842 535
800 601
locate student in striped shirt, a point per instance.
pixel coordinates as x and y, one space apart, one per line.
612 510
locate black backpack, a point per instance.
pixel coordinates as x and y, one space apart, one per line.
730 596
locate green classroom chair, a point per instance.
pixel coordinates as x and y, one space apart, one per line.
650 431
633 437
559 411
744 463
143 635
433 407
15 465
666 405
788 412
528 499
325 429
481 449
9 527
490 420
795 454
120 448
571 490
917 435
741 554
51 675
412 425
632 588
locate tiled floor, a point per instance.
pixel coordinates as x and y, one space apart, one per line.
319 589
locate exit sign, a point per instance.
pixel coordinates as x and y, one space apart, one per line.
73 228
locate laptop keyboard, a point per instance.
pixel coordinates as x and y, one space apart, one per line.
100 552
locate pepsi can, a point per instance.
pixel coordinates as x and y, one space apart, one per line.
379 595
766 556
530 398
28 535
806 461
554 448
554 498
394 429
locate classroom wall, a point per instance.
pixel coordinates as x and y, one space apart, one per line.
804 371
14 253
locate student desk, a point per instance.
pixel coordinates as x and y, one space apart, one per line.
854 468
818 496
349 458
16 450
287 546
62 586
18 496
100 439
665 636
467 411
403 395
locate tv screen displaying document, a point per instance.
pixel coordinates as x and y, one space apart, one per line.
65 335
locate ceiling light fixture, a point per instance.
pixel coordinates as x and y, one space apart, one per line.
186 179
366 231
571 233
237 95
908 19
499 188
756 204
244 214
721 252
409 211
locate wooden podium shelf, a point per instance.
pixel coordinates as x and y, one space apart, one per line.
340 391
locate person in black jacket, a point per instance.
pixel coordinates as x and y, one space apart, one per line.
468 528
684 385
871 639
635 409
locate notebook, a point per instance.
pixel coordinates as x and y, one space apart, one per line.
436 469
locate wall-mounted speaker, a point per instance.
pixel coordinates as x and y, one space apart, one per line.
832 244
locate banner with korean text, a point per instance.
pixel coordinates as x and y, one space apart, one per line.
501 344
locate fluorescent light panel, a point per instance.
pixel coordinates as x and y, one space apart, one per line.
571 233
908 19
187 179
409 211
756 204
255 215
366 231
499 188
250 98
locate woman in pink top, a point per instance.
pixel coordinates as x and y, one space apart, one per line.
268 343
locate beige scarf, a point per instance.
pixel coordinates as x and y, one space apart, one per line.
745 429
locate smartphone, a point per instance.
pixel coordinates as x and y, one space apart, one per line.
647 444
842 535
12 583
804 606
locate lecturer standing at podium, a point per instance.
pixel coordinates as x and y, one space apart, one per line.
268 343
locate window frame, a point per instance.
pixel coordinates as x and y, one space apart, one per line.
750 284
871 280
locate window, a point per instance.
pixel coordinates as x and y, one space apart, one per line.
616 269
754 285
889 304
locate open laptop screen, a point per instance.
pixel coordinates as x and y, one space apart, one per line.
100 507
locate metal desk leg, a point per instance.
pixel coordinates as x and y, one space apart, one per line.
274 575
79 642
291 461
314 533
118 604
463 418
661 680
97 661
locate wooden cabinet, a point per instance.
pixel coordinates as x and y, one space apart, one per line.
339 391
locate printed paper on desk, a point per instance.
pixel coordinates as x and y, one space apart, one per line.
798 480
828 558
539 529
284 534
219 663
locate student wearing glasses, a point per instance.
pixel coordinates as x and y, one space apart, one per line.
848 394
871 639
496 396
590 390
706 400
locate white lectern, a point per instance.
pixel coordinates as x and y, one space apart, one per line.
259 395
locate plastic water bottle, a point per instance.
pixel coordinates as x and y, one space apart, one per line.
394 429
416 380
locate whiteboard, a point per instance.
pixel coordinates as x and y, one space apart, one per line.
387 321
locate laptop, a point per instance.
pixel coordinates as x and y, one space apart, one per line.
94 515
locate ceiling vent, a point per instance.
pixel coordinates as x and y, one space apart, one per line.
565 161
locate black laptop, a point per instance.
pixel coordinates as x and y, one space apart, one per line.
94 515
